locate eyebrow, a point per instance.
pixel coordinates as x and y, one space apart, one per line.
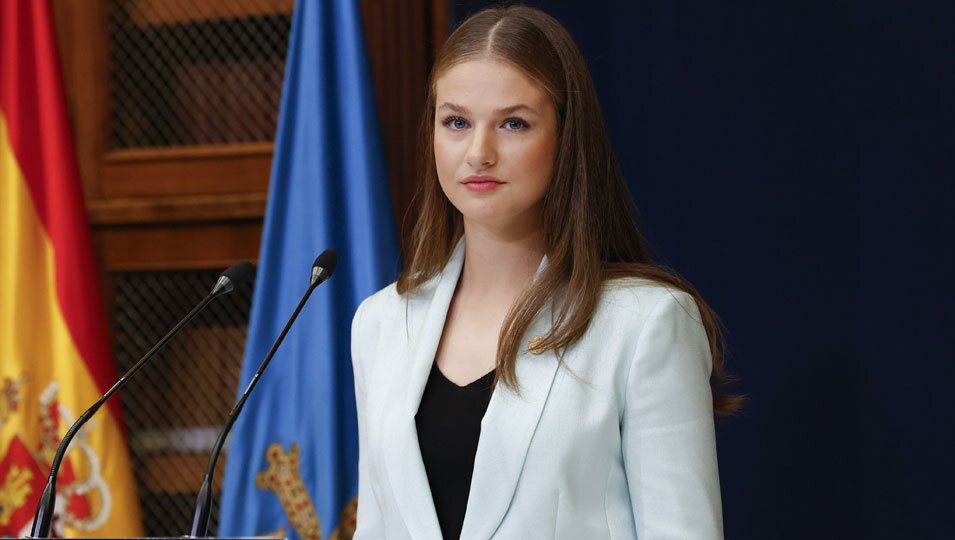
506 110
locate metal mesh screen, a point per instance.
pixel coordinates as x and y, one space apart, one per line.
175 407
188 73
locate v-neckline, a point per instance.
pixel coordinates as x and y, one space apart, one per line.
489 377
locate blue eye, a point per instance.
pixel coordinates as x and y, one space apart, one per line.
455 123
515 124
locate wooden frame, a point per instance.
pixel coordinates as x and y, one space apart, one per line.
201 207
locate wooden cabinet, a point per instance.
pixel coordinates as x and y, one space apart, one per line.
180 166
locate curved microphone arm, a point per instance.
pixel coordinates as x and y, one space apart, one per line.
203 514
44 511
232 277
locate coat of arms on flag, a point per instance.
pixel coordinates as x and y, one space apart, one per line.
55 358
86 499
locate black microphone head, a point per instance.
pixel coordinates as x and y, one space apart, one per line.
234 276
324 266
239 272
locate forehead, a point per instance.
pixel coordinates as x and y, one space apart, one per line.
487 84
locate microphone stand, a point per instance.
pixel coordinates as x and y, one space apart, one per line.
321 271
45 507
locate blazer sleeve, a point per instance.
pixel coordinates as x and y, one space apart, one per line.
369 523
668 436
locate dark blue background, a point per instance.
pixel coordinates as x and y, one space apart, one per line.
794 161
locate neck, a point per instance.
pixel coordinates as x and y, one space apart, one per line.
498 262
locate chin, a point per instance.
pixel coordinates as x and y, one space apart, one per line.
484 219
499 221
492 211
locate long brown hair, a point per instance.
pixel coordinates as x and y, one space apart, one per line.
590 230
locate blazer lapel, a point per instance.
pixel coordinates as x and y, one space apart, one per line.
405 467
507 429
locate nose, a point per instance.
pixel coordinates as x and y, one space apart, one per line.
481 151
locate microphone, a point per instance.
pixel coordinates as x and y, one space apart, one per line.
322 269
234 276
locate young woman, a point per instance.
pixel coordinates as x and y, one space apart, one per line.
531 374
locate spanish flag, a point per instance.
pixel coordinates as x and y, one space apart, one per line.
55 358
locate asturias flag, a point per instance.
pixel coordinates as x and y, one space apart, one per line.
55 359
292 466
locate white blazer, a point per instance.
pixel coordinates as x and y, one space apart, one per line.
619 443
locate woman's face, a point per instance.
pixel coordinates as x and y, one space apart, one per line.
495 139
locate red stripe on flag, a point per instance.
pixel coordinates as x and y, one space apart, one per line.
33 104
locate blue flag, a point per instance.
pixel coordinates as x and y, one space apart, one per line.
292 462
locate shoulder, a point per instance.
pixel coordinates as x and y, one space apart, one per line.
388 305
372 311
627 307
641 310
668 338
636 298
381 300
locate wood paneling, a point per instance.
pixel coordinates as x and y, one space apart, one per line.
177 208
240 168
164 12
201 207
180 246
173 474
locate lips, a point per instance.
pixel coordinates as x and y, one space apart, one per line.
481 183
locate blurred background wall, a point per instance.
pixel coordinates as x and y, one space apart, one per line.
793 160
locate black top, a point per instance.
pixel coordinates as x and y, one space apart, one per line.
449 425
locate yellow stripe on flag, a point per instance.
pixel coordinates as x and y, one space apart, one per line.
44 378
